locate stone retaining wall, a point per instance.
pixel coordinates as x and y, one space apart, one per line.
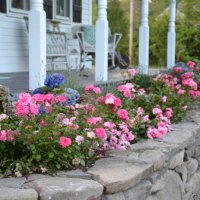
151 170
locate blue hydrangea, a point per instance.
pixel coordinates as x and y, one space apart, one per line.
38 91
72 96
54 80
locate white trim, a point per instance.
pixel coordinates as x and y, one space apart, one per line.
14 12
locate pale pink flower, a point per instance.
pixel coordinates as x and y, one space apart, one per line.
141 91
65 142
101 133
3 116
94 120
184 107
164 99
67 122
122 114
156 111
132 72
145 118
140 111
79 139
180 92
109 125
91 134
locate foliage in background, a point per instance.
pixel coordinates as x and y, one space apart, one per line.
187 29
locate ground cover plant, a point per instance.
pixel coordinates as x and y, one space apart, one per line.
56 128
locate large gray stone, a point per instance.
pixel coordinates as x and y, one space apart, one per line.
176 160
183 136
12 182
18 194
74 174
192 166
57 188
193 186
140 192
182 171
117 174
168 187
154 156
117 196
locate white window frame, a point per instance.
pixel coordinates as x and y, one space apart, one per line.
15 11
65 19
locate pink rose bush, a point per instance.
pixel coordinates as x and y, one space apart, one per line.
52 131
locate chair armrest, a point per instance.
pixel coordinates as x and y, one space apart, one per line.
114 39
80 36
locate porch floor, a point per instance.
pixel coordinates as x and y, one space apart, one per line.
18 82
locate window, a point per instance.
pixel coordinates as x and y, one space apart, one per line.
48 7
20 4
77 11
62 8
2 6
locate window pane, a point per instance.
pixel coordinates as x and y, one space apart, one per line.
3 6
63 8
20 4
77 11
48 8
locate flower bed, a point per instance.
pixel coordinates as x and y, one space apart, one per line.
56 128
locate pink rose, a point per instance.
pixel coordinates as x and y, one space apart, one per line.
61 99
156 111
180 92
122 114
132 72
3 136
101 133
164 99
34 109
65 142
21 110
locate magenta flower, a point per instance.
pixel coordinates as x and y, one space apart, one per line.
101 133
122 114
65 142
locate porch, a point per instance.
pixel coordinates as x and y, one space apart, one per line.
18 82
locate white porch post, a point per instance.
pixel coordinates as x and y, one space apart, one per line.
171 37
101 72
37 44
144 38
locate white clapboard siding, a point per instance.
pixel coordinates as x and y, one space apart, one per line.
13 44
14 39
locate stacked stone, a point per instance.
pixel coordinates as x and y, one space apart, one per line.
5 103
151 170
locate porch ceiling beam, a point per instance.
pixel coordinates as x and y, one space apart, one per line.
37 44
144 37
101 71
171 36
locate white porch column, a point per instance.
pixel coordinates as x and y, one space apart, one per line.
171 37
144 38
101 72
37 44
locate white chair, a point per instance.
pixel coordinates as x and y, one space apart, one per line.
86 37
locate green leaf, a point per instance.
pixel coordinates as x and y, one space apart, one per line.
38 157
51 155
